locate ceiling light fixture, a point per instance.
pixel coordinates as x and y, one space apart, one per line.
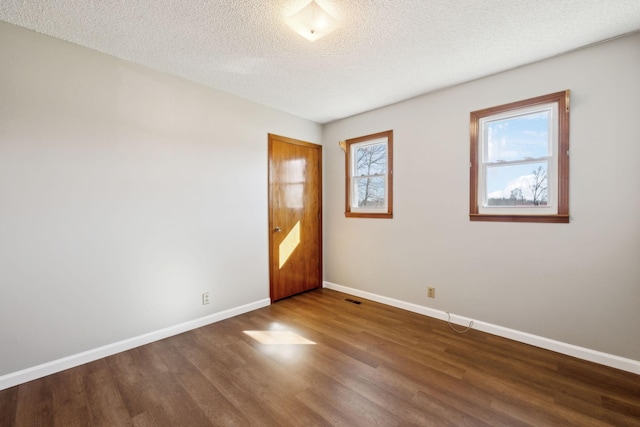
312 22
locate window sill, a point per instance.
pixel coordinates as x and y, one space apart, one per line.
557 219
367 215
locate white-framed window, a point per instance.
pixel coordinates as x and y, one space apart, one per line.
519 161
369 180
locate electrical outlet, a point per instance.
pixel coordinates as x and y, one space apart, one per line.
206 298
431 292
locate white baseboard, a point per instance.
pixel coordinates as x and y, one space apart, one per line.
606 359
39 371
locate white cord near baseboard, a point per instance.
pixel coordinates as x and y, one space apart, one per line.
457 330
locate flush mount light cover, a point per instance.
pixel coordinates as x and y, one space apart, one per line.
312 22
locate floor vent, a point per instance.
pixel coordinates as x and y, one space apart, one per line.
352 301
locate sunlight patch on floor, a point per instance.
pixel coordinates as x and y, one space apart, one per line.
278 338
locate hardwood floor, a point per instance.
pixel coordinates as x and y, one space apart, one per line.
371 365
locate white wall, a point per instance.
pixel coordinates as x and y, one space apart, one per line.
578 283
124 194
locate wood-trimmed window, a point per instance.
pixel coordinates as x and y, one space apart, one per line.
520 161
369 176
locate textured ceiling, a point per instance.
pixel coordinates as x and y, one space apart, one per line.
383 52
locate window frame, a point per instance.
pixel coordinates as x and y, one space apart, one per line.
561 185
385 212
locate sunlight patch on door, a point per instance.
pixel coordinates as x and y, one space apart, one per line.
289 244
278 338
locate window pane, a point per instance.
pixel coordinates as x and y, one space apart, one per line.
517 185
369 183
519 161
371 159
370 192
518 138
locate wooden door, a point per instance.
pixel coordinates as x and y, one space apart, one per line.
295 216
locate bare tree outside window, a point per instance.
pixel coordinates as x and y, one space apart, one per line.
371 165
369 176
517 197
538 186
519 161
532 191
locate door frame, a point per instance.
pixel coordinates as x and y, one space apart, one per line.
271 138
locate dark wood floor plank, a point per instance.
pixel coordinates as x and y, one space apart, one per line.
453 416
326 408
541 381
539 416
137 389
69 401
357 409
598 411
371 364
418 354
178 406
378 389
106 405
210 401
603 379
624 407
35 404
243 398
529 404
152 417
455 393
8 406
297 412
